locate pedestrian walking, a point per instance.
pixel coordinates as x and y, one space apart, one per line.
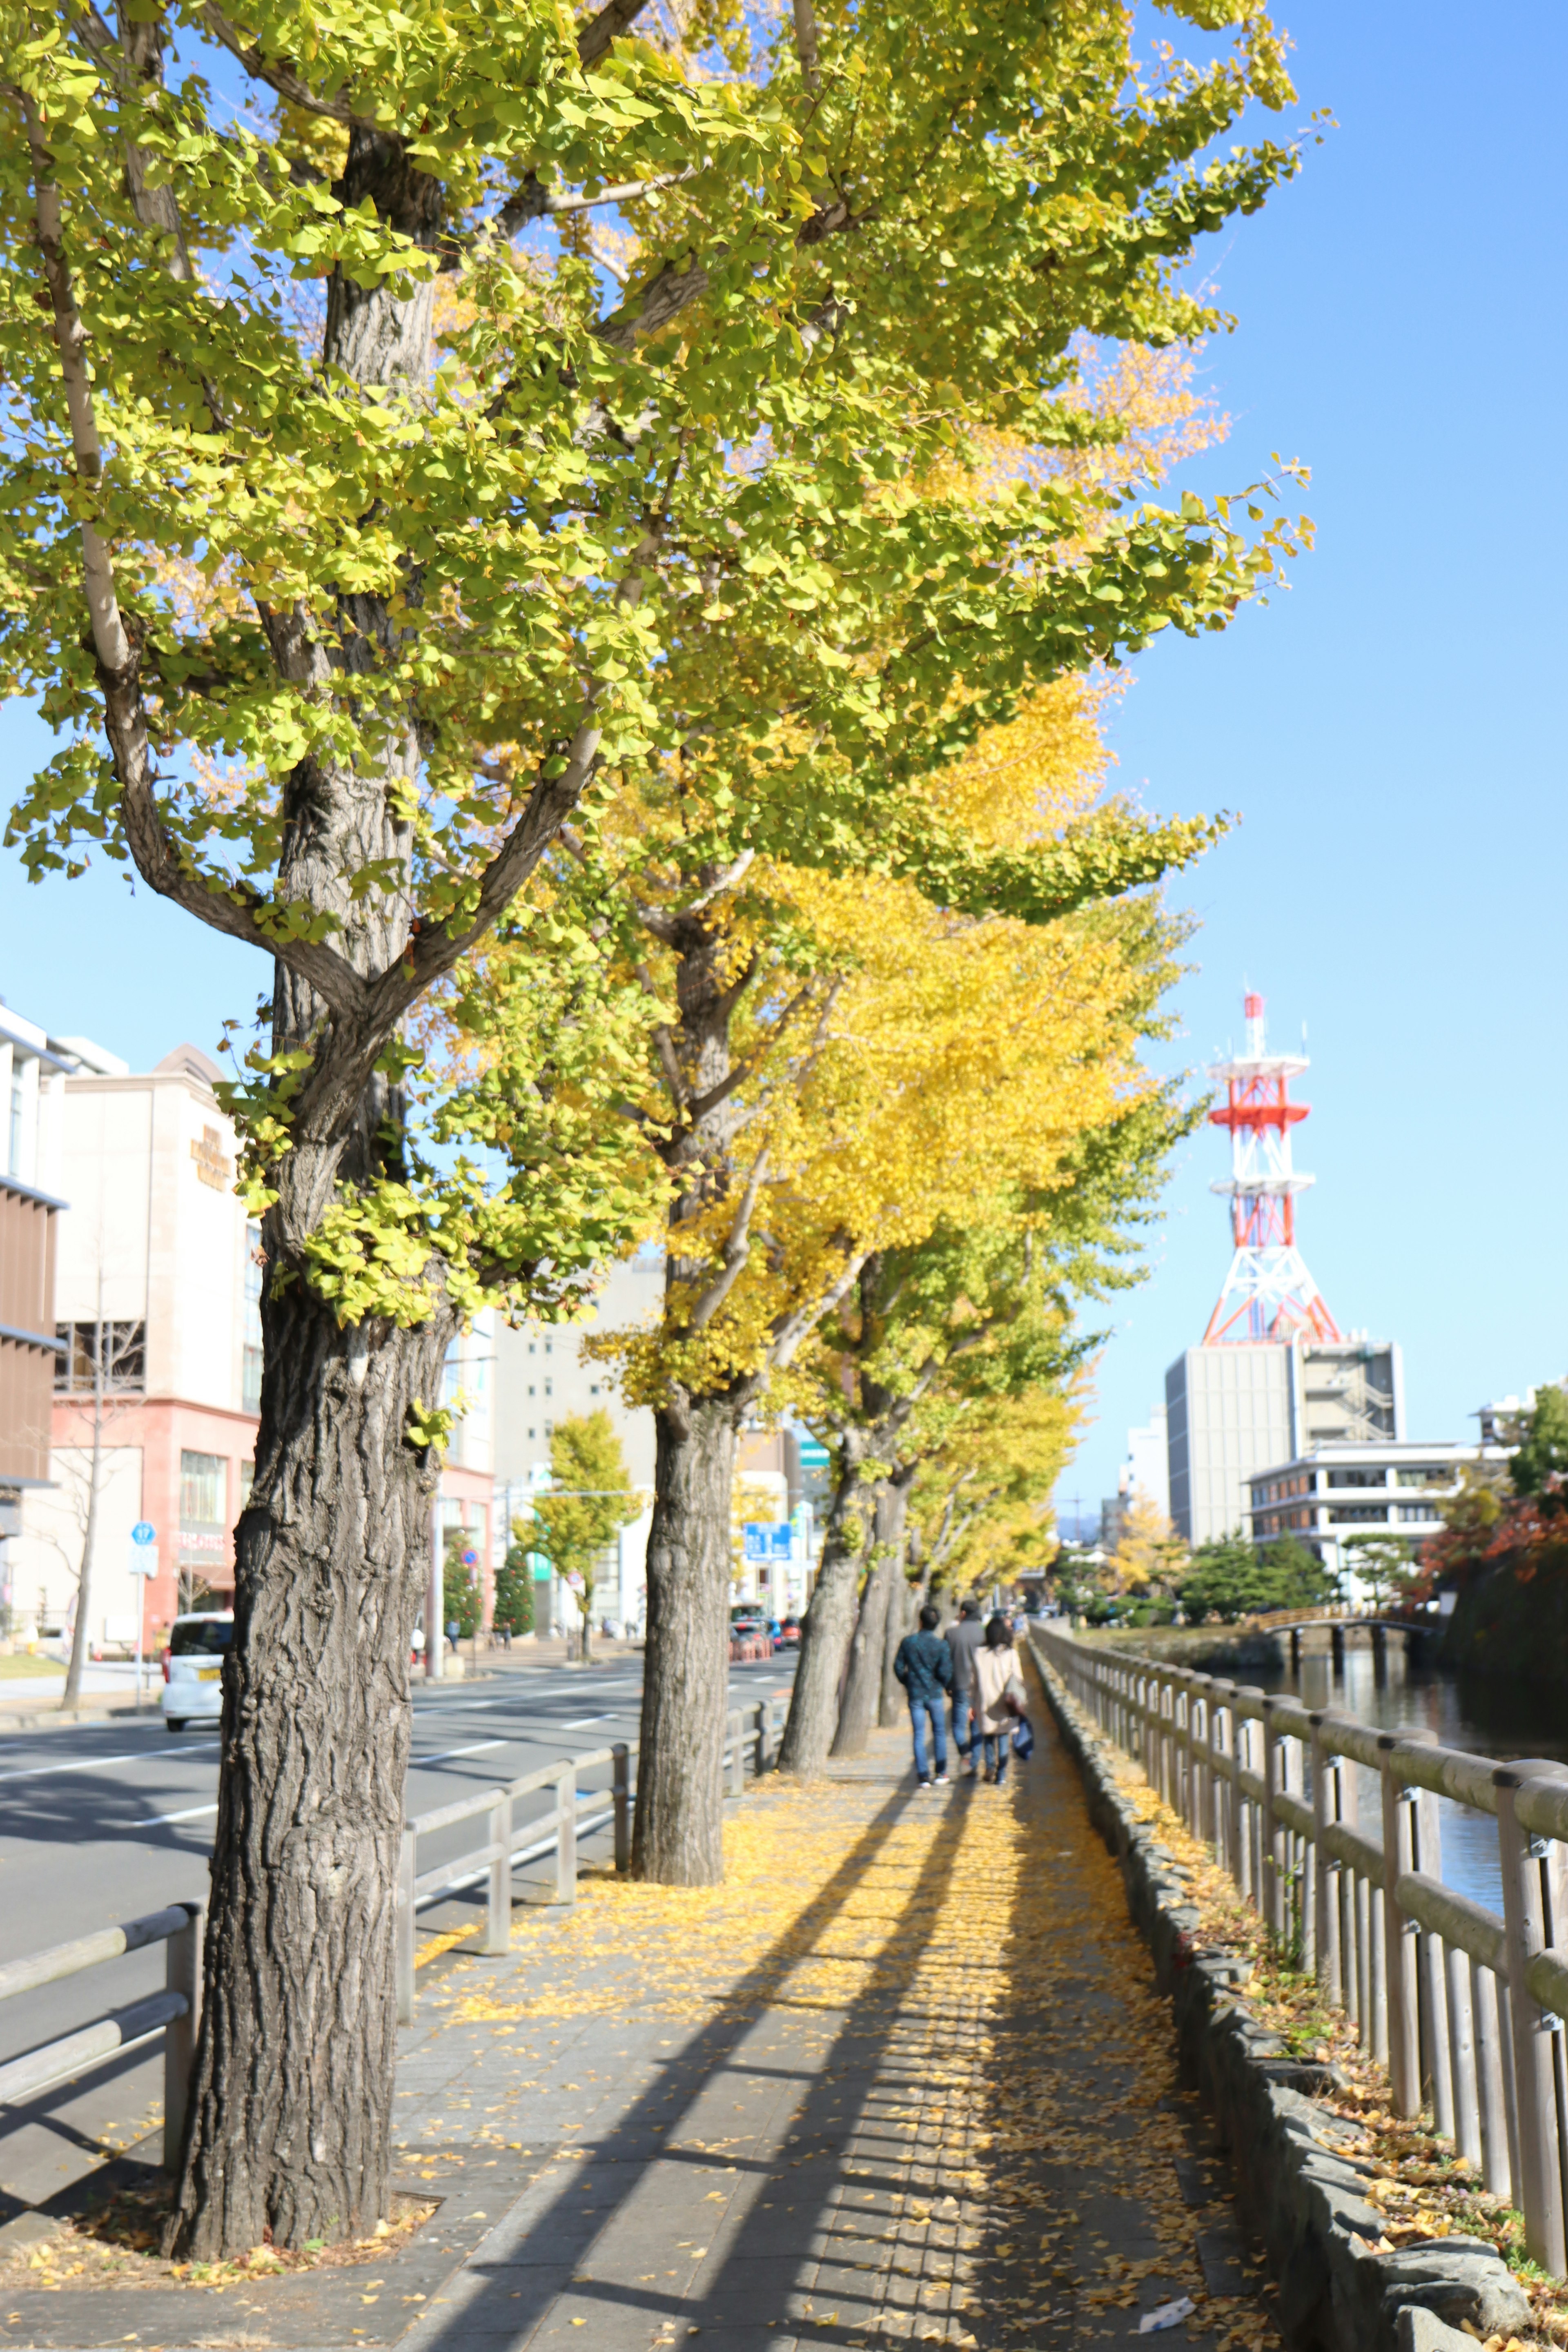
998 1700
963 1637
924 1664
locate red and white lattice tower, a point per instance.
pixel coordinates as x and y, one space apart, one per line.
1268 1293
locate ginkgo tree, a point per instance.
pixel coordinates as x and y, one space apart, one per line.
343 603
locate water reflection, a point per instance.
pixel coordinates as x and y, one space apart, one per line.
1480 1713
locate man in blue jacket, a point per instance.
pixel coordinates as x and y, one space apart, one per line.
924 1664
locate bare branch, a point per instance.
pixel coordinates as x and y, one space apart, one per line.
791 1329
805 45
434 950
737 1249
276 73
600 30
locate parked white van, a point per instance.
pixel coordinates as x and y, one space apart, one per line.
193 1667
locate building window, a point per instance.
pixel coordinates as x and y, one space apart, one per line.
124 1358
204 1490
14 1154
1436 1476
1412 1512
1378 1477
1345 1514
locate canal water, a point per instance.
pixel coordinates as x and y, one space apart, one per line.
1475 1712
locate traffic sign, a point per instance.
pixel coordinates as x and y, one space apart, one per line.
143 1532
470 1558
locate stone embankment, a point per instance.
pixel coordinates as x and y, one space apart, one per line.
1305 2198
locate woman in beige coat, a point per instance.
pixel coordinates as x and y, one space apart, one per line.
996 1679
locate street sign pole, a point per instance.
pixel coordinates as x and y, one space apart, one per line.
143 1564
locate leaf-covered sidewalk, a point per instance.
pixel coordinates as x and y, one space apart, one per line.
905 2077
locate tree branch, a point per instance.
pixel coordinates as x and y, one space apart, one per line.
791 1329
600 30
737 1249
279 75
225 908
805 45
431 952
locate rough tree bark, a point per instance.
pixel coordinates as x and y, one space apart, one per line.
907 1602
881 1604
678 1833
829 1624
290 2110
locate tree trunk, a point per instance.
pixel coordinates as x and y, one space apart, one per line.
828 1623
89 1531
292 2104
862 1692
290 2109
677 1835
904 1601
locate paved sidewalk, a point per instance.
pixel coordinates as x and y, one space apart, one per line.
904 2077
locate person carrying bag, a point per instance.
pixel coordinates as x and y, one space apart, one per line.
999 1700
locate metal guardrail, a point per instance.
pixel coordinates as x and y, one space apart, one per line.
175 2012
500 1853
1465 2008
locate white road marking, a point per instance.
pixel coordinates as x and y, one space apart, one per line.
579 1722
445 1754
192 1813
102 1763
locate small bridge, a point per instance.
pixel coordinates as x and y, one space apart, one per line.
1332 1632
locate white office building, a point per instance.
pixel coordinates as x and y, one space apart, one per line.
1235 1411
1331 1496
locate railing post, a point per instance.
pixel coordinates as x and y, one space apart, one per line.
1492 2062
1241 1854
404 1926
737 1760
183 1975
1398 1945
1462 2073
1438 2065
566 1834
1325 1871
1535 2091
1272 1841
760 1752
498 1910
620 1766
1221 1730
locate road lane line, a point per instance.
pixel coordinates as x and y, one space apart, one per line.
447 1754
192 1813
102 1763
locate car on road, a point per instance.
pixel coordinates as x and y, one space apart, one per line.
193 1667
788 1634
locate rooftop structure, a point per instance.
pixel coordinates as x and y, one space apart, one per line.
1268 1293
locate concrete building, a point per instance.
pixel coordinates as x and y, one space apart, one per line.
1235 1411
158 1262
1330 1496
543 1375
32 1081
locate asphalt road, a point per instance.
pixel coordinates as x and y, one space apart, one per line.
101 1823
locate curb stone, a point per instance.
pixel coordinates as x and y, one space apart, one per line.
1306 2202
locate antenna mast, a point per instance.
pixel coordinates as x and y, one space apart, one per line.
1268 1293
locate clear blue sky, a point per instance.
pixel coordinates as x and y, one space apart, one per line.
1389 730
